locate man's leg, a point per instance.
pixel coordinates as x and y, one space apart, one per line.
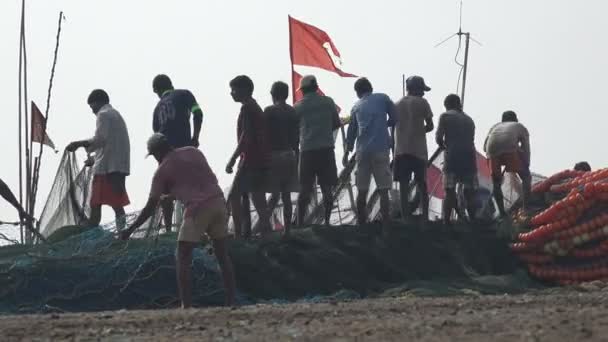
223 259
526 181
246 215
95 217
167 206
361 206
449 204
469 197
498 196
260 204
184 272
287 209
303 202
420 178
121 219
328 202
237 215
404 192
385 207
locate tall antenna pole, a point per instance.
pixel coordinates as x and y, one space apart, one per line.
464 68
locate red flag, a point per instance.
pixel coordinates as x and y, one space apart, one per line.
39 128
311 46
295 79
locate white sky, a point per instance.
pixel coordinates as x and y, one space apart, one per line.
544 59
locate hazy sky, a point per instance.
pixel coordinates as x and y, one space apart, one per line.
543 59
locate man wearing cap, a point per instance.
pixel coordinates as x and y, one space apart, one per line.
112 159
371 117
183 173
318 116
508 145
456 135
172 118
414 121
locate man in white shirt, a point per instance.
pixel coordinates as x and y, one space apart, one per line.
112 159
508 145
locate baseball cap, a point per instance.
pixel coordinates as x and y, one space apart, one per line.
416 83
156 141
307 82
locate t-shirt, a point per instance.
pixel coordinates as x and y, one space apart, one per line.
457 130
318 117
252 132
410 129
283 124
172 117
505 137
111 143
185 174
370 119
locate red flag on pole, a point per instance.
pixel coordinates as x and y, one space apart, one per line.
38 122
295 78
311 46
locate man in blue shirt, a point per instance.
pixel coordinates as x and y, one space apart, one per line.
172 119
371 118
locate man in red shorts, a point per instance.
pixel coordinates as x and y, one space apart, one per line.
185 175
112 159
508 145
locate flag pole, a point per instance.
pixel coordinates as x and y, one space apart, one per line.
46 112
20 113
293 88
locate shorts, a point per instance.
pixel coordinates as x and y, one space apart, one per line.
319 165
376 164
468 181
251 178
513 162
283 172
210 219
405 165
109 189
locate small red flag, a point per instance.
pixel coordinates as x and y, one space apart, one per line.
295 79
39 128
312 47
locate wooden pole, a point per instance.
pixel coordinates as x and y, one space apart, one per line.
466 64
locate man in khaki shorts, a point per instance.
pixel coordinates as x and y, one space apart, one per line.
371 117
185 175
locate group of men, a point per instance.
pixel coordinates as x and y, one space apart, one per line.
283 150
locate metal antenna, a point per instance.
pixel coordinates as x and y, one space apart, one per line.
464 66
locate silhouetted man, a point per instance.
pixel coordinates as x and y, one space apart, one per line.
318 116
254 151
456 134
414 121
184 173
172 119
112 162
284 142
508 145
371 117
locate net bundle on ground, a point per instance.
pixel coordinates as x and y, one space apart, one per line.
565 235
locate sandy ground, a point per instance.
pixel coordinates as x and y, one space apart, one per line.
556 315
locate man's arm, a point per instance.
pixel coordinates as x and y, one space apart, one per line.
243 140
8 195
98 140
440 134
352 132
525 143
144 215
197 119
428 119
